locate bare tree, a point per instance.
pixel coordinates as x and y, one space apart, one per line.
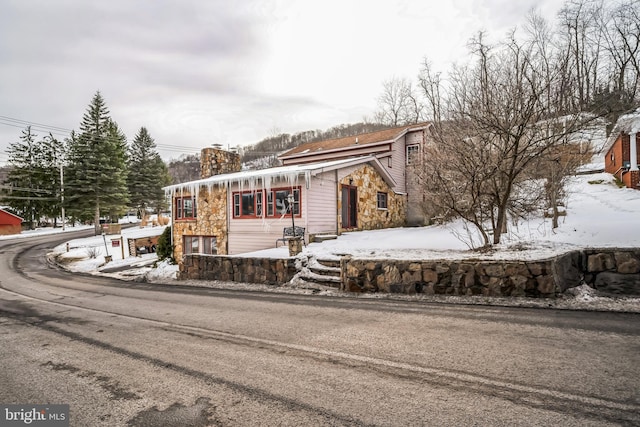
502 113
554 168
430 83
582 38
622 35
399 103
454 178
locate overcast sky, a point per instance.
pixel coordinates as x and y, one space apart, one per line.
200 72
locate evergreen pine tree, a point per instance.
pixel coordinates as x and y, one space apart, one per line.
96 176
23 193
147 174
52 158
33 180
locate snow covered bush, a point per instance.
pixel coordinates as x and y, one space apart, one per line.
164 250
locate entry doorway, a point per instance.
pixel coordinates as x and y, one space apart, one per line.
349 206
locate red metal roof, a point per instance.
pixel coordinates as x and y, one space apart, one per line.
9 218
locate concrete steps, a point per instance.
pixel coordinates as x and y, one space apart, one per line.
324 272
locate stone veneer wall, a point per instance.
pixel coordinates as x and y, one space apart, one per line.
369 182
214 161
212 204
611 271
211 221
268 271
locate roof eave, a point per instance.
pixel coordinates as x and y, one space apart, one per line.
335 150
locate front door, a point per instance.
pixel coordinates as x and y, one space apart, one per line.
349 207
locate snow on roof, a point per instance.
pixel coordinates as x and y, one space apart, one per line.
290 174
628 123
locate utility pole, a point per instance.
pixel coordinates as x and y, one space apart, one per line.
62 194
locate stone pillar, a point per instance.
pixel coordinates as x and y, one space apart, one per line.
295 246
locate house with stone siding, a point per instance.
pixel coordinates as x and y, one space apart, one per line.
344 184
622 151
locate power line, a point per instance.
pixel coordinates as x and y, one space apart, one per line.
34 198
35 128
25 122
60 131
25 189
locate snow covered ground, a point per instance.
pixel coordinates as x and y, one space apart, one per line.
599 214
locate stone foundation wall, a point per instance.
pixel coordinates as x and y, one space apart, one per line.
267 271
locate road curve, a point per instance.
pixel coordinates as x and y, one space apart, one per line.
135 354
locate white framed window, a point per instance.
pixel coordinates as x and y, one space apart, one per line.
382 200
413 151
199 245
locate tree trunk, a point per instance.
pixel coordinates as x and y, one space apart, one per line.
96 220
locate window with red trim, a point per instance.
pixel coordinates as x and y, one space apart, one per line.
271 203
185 207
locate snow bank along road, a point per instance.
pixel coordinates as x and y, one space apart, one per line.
123 354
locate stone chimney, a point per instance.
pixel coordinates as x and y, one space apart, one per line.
216 161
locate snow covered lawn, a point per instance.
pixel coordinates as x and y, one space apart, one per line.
599 214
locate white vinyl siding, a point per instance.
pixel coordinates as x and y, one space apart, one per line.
322 203
254 234
397 170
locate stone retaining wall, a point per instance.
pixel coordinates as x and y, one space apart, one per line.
615 272
470 277
268 271
610 271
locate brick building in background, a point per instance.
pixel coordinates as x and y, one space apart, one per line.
622 151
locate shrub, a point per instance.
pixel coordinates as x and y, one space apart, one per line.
164 250
93 252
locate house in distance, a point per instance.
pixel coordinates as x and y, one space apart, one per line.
622 151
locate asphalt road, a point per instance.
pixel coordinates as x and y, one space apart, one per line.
124 354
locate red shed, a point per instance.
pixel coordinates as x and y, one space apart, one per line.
9 223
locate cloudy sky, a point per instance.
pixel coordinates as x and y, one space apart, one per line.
199 72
